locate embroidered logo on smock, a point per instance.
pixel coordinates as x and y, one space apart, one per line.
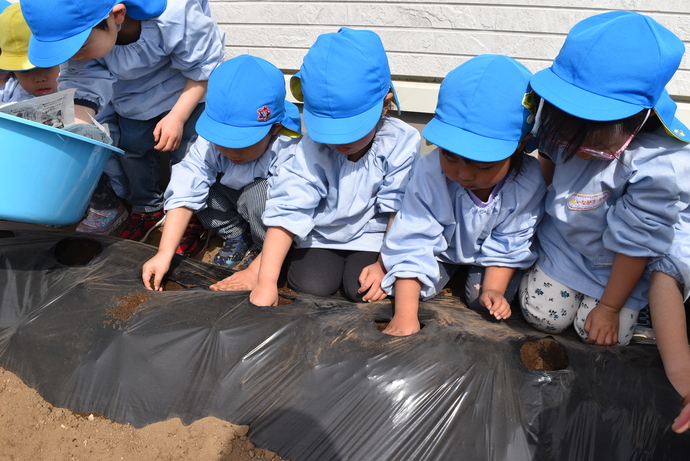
584 202
264 114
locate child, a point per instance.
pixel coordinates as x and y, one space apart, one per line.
105 210
238 140
152 60
669 287
25 80
476 200
615 153
336 196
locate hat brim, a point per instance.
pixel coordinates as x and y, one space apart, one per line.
665 109
467 144
579 102
326 130
232 137
49 54
292 122
15 63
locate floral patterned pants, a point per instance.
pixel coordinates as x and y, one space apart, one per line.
552 307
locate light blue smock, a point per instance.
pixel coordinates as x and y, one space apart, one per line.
191 178
595 209
676 262
145 79
442 221
328 201
12 91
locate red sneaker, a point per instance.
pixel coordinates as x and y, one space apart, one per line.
194 239
139 225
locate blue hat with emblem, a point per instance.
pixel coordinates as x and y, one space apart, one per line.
245 98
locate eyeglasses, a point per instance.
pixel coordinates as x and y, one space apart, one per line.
612 156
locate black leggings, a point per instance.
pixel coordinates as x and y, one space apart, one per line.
322 271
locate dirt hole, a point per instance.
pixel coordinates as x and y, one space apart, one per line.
5 234
544 354
76 251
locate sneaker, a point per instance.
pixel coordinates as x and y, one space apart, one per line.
102 221
249 258
643 332
233 251
141 224
194 239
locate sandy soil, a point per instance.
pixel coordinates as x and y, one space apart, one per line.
32 429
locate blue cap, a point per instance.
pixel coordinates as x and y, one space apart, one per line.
343 81
60 28
482 112
4 4
246 96
612 66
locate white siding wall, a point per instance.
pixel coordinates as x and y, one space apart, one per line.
426 39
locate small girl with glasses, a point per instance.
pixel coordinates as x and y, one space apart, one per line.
616 159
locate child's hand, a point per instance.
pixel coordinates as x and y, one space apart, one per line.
602 325
264 295
402 326
682 422
168 133
239 281
370 279
155 268
496 303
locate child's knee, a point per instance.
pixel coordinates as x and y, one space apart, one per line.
540 311
317 286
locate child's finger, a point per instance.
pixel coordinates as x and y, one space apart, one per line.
365 285
376 294
363 277
146 278
157 282
682 422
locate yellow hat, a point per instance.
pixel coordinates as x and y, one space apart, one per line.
14 40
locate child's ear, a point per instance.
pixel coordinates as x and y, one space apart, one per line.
387 104
275 129
119 12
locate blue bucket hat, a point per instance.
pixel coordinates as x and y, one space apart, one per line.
246 96
4 4
482 112
343 81
60 28
612 66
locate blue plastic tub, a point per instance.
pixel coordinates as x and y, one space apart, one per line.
47 175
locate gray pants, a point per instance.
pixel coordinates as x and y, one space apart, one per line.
230 212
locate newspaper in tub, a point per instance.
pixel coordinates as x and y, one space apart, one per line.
57 110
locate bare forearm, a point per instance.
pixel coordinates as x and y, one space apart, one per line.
83 114
407 297
625 274
275 249
497 278
670 329
192 94
176 221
